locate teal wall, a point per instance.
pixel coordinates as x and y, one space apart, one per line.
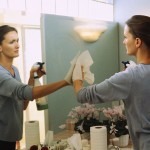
60 45
123 10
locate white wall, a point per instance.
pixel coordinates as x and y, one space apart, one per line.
123 10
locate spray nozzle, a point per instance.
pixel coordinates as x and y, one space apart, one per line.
125 63
40 66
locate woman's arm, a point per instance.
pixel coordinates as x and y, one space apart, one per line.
43 90
30 82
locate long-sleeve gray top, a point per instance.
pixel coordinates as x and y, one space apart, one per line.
12 95
133 87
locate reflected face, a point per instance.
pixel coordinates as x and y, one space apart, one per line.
10 45
129 42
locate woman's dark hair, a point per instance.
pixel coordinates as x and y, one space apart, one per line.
4 29
139 27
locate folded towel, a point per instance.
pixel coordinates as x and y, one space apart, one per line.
75 142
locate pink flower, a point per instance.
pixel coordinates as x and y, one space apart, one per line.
85 111
114 113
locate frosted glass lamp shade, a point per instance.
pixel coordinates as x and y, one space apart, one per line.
90 33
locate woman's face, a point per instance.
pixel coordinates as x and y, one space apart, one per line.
10 46
129 42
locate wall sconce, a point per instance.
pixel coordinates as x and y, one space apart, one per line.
90 33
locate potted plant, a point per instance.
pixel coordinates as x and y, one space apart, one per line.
85 116
116 122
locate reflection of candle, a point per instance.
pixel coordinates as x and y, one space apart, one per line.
115 141
84 142
70 124
86 148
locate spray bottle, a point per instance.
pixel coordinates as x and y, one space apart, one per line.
125 63
41 103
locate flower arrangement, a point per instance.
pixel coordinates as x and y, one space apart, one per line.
116 120
85 116
88 115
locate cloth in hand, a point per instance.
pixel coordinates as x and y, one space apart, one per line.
68 77
84 60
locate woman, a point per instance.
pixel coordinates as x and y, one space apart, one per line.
131 85
14 95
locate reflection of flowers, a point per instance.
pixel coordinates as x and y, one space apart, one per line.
85 116
116 121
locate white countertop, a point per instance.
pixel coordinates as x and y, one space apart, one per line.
66 134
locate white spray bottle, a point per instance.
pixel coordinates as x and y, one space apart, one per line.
41 103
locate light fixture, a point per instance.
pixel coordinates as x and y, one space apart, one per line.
90 33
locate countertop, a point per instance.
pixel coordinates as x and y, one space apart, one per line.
68 133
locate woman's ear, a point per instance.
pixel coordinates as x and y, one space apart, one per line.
138 42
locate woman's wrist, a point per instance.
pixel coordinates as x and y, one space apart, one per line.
78 84
31 81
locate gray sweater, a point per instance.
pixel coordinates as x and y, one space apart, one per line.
12 95
133 87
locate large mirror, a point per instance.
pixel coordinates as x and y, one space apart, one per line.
60 44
